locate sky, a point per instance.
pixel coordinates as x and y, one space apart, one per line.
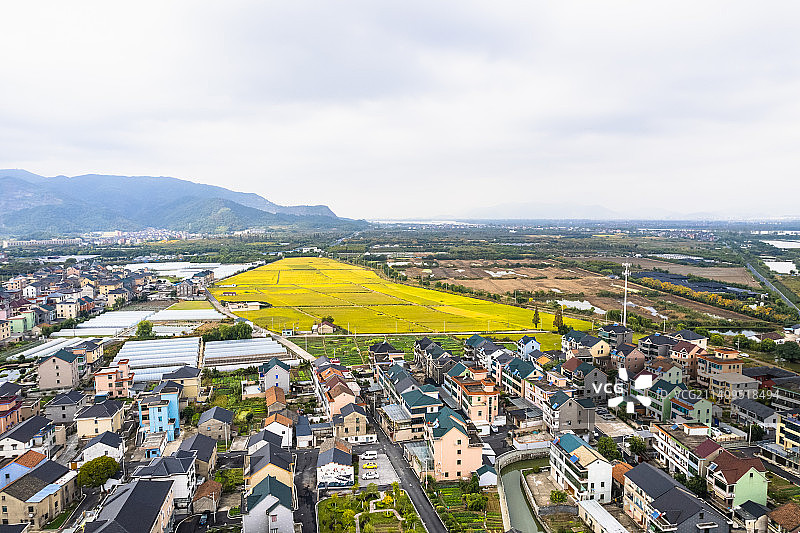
418 109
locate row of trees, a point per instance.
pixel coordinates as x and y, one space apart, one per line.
226 332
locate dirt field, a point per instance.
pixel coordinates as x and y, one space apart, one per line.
499 278
729 274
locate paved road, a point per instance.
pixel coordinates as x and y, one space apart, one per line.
89 502
231 460
778 471
411 484
772 287
305 481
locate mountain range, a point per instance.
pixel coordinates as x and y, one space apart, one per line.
36 205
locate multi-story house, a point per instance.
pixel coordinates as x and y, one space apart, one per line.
454 450
178 468
67 310
352 425
141 505
684 354
98 418
268 507
658 503
725 388
160 411
661 394
733 480
543 391
629 357
579 469
43 490
269 460
616 335
187 377
690 336
665 369
216 423
89 353
786 394
115 381
526 346
335 464
571 340
63 407
589 382
686 406
514 376
106 444
10 405
58 371
205 449
37 434
722 362
565 413
478 399
273 373
5 330
684 448
749 411
656 345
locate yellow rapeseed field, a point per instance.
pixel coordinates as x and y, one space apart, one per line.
303 290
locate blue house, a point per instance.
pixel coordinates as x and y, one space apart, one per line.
526 346
159 411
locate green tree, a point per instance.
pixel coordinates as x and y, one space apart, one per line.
144 330
608 448
717 339
97 471
558 496
637 445
558 320
768 345
756 433
680 477
789 351
697 485
536 318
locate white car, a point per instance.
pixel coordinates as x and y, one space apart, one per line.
370 475
369 456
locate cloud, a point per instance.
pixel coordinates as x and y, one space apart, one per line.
414 109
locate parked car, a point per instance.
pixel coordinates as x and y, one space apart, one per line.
370 475
369 456
204 518
370 465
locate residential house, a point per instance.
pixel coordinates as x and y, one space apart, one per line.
565 413
487 476
90 352
187 377
455 451
684 354
629 357
116 381
63 407
478 399
786 518
335 464
615 335
42 491
661 394
36 433
106 444
385 353
433 359
406 420
686 406
280 424
749 411
11 402
67 310
268 507
735 479
258 440
657 502
98 418
786 393
141 505
690 336
216 423
589 382
526 346
656 345
205 449
5 330
207 497
665 369
178 468
684 448
721 362
571 340
514 375
579 469
159 411
352 425
767 375
598 519
727 387
274 373
58 371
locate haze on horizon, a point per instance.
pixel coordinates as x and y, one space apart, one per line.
415 109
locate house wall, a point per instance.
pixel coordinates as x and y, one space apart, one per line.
90 427
63 414
279 520
55 373
454 458
284 476
16 511
101 450
215 429
277 376
283 431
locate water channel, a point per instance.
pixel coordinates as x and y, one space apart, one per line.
519 511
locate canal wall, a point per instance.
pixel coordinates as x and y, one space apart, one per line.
503 461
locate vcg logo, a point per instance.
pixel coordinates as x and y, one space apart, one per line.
617 391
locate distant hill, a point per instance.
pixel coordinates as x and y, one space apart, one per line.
35 204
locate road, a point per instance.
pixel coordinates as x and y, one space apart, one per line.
305 481
772 287
92 498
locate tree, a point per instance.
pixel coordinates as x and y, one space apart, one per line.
788 350
768 345
717 339
697 485
756 433
637 445
608 448
558 496
558 320
536 318
680 477
144 330
97 471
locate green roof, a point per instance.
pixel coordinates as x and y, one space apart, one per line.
62 354
457 370
269 486
446 420
417 398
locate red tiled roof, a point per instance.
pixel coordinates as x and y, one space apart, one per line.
207 489
618 472
733 467
787 516
30 459
706 448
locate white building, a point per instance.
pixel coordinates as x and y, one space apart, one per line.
268 507
106 444
579 469
178 468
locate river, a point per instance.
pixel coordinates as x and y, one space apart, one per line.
519 511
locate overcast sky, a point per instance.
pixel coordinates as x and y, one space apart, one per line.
417 109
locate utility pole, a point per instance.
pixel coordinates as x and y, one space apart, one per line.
625 273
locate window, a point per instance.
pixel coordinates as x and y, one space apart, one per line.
5 509
458 462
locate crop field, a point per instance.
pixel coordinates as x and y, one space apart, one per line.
190 305
303 290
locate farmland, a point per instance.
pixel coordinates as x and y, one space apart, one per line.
302 291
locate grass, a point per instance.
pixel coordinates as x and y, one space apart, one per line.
781 490
59 520
450 497
305 289
188 305
230 478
